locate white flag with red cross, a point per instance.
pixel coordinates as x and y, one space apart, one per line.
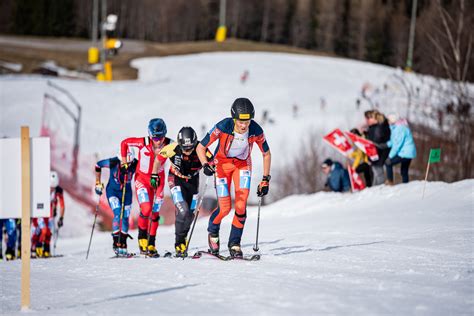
365 145
339 141
356 181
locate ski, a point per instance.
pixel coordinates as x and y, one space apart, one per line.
55 256
125 256
199 254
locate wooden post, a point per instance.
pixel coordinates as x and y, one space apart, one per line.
25 218
426 178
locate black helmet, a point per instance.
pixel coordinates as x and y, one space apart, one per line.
187 138
242 109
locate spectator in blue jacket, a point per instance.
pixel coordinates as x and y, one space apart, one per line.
338 177
402 148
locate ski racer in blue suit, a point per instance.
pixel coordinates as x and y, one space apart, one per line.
114 192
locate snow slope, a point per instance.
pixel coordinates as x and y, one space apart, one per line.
383 251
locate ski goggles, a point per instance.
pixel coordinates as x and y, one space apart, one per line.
157 138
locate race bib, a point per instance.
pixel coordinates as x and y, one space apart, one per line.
157 204
114 202
194 203
222 188
142 196
245 176
177 194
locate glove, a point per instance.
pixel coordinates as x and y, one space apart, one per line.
208 170
388 161
98 188
124 168
155 180
263 186
60 222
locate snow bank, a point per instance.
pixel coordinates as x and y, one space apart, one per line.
381 251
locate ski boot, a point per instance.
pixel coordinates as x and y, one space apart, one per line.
143 241
235 251
152 252
213 241
39 250
46 251
10 254
115 243
181 249
123 243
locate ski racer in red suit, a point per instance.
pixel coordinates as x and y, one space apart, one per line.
149 198
41 230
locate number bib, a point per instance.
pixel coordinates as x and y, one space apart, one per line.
245 176
222 187
177 194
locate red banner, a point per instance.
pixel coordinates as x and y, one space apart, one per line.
339 141
365 145
356 182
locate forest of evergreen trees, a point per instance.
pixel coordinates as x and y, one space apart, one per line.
372 30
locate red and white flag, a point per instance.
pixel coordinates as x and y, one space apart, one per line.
339 141
356 181
365 145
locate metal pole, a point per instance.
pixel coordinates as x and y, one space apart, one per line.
95 18
102 33
411 38
222 11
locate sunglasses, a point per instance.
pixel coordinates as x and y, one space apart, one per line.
158 139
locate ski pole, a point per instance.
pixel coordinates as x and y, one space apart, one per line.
258 224
122 208
201 198
93 226
55 240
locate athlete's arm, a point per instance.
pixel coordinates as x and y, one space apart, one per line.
267 161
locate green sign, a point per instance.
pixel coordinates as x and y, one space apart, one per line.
435 155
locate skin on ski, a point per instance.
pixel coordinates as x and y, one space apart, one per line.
55 256
199 254
138 255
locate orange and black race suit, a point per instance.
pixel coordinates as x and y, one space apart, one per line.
235 170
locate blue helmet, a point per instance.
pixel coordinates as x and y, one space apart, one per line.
157 128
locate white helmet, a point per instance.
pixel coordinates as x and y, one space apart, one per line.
54 179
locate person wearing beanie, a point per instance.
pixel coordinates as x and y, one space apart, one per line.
338 177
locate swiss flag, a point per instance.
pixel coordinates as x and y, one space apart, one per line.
356 182
365 145
339 141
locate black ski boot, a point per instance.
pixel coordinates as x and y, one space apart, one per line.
115 243
46 250
10 254
152 252
214 244
235 251
123 243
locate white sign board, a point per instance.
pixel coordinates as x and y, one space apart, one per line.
10 177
